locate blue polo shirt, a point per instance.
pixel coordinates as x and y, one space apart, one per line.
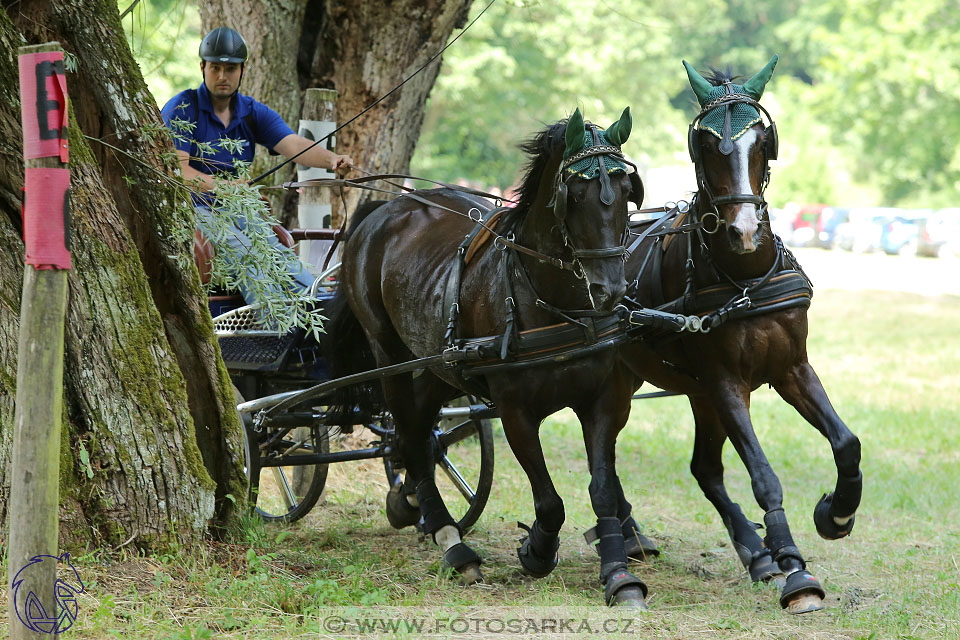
253 123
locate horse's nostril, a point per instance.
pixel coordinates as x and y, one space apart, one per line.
735 234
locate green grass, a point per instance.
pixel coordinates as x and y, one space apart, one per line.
891 364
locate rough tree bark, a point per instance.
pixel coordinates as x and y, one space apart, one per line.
146 455
361 48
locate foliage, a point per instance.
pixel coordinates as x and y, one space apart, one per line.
157 31
164 36
261 267
864 96
862 92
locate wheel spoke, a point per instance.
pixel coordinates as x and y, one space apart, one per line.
457 434
457 479
285 491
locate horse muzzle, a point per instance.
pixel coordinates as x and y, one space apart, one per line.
605 297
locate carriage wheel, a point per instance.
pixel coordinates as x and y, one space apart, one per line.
283 493
463 449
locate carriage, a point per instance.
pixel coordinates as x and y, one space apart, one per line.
286 458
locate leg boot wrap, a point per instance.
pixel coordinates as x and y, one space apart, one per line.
400 513
781 545
538 550
749 547
613 560
435 514
779 540
636 545
842 503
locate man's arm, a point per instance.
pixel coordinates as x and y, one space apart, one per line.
190 174
318 156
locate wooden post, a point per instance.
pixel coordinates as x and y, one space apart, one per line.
316 209
34 487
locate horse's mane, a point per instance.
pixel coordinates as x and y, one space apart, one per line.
541 147
718 76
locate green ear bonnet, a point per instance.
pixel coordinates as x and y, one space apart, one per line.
614 135
742 116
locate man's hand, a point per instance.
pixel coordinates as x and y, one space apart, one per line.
314 155
342 164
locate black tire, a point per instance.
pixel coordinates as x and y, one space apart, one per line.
464 449
283 493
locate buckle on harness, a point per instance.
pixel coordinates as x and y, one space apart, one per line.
743 302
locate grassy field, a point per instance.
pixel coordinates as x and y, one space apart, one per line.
891 363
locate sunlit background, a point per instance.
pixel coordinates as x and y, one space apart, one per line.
865 96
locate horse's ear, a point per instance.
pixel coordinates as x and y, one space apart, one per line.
619 131
701 87
754 86
575 135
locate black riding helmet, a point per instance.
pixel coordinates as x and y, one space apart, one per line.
223 44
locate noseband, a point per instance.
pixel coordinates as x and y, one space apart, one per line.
708 205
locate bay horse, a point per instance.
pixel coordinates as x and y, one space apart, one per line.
558 253
728 255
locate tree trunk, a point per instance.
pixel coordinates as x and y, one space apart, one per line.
361 48
146 454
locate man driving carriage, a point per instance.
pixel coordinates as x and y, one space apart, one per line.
215 127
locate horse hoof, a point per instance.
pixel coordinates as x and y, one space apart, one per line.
826 527
534 566
623 589
805 603
531 562
470 574
465 562
640 548
400 513
764 569
802 593
629 597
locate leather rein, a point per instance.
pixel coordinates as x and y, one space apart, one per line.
557 201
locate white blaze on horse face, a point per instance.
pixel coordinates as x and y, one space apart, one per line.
746 221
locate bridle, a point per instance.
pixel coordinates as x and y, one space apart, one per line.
708 203
558 200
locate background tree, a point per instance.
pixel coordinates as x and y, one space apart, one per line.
146 458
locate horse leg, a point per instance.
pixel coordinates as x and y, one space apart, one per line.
835 512
538 549
601 424
707 467
413 413
638 546
802 592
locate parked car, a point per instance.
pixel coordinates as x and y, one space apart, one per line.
830 218
862 231
939 234
806 221
899 236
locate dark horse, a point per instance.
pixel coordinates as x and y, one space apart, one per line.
560 248
729 268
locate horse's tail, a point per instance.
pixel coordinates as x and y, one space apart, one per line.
347 351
